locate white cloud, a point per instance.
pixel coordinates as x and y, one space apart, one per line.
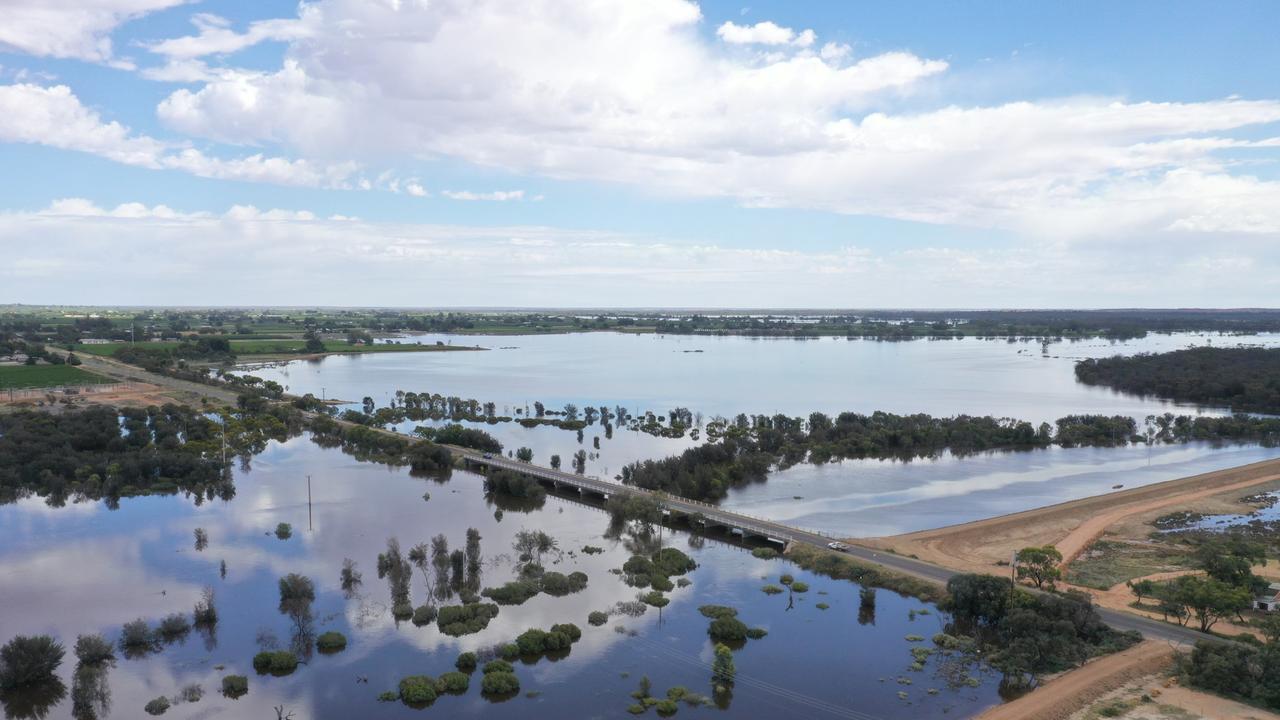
215 36
233 257
54 116
763 33
414 188
79 29
631 93
497 195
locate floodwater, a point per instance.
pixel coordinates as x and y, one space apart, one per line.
729 375
85 568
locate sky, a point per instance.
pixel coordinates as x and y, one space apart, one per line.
616 153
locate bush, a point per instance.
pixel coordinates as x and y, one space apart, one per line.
497 666
458 620
597 618
388 696
234 686
558 585
510 651
757 633
157 706
515 592
174 626
331 642
453 682
136 634
532 641
717 611
771 589
822 606
661 583
284 531
786 579
402 611
275 662
655 599
466 662
799 586
93 649
417 690
499 683
764 553
666 708
424 615
592 550
29 660
573 632
727 629
670 561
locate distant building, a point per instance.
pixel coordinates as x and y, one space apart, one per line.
1270 600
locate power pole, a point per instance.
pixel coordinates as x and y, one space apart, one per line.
309 526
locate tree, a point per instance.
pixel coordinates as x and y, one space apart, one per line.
1142 588
29 660
722 668
524 454
983 599
555 462
1231 559
1209 599
297 592
313 344
571 411
1039 564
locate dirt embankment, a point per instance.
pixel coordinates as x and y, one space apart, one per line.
1071 526
1059 698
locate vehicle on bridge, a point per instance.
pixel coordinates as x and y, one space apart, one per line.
838 546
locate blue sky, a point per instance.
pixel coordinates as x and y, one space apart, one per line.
470 152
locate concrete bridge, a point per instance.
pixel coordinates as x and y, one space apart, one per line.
698 513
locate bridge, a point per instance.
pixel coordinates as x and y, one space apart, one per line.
698 513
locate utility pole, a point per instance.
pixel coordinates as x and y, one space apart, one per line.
309 526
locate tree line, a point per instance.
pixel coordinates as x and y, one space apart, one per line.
1243 379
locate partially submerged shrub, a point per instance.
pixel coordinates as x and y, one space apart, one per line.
765 553
466 662
136 635
717 611
655 599
424 615
453 682
670 561
497 666
727 629
597 618
499 684
512 593
93 650
234 686
402 611
275 662
771 589
757 633
157 706
284 531
417 690
174 626
331 642
799 586
458 620
205 614
510 651
29 660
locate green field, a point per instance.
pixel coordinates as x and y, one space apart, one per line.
37 376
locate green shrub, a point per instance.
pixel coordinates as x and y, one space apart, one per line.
515 592
573 632
670 561
597 618
661 583
498 666
234 686
510 651
402 610
174 626
157 706
29 660
717 611
822 606
757 633
93 649
388 696
532 641
466 662
655 599
558 585
417 690
786 579
771 589
136 634
666 708
424 615
727 629
275 662
592 550
499 683
679 692
456 620
331 642
765 553
453 682
799 586
636 709
284 531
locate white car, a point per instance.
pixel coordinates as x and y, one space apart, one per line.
839 546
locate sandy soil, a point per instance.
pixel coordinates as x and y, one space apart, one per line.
1059 698
1071 526
1169 701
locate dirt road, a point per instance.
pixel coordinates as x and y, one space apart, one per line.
1071 526
1064 695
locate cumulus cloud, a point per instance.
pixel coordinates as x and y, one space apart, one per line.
79 29
55 117
631 93
233 257
764 33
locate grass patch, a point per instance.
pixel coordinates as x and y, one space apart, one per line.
843 567
1107 563
21 377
